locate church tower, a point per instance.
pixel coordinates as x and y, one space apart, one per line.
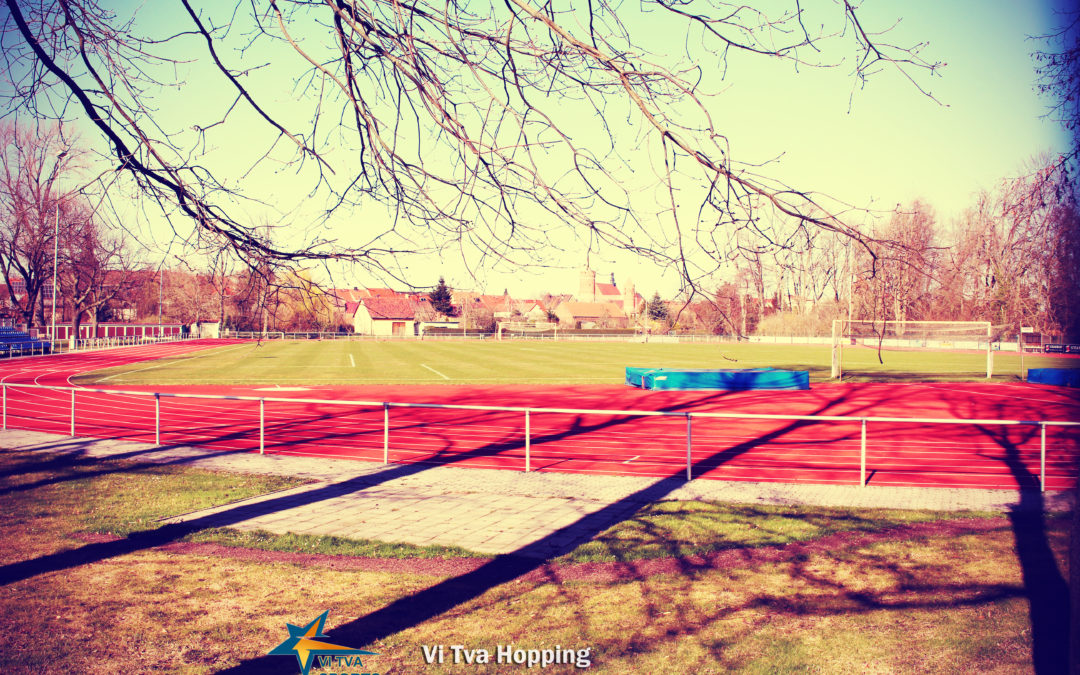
587 286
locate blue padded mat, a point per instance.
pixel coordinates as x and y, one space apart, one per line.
1063 377
726 380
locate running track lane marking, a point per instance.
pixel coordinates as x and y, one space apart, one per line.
631 459
424 365
158 365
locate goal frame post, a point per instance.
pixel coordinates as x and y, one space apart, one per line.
525 327
838 326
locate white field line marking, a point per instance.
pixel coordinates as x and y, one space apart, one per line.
632 459
424 365
352 361
159 365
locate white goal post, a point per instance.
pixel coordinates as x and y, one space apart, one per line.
942 335
524 328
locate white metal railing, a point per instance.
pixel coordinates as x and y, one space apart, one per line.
89 344
57 347
863 421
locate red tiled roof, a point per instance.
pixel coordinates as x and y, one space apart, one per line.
607 289
348 295
592 309
526 306
382 293
389 308
497 303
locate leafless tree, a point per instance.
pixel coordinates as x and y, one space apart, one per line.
908 262
463 120
95 266
1063 274
1058 73
32 206
222 286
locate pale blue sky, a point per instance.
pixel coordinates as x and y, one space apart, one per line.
887 144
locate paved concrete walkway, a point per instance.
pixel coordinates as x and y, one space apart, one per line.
485 510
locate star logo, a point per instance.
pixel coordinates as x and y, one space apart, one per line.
304 643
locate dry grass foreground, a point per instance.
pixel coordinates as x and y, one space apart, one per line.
777 591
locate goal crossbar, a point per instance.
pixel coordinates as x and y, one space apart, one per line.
941 335
525 328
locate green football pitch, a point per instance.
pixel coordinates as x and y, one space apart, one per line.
515 362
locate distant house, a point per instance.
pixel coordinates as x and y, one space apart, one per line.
427 317
385 316
575 314
500 306
206 329
476 309
529 310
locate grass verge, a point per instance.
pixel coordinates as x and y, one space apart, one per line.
897 604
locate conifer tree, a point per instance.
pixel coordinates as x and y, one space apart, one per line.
657 308
441 299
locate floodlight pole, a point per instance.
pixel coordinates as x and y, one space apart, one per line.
56 254
56 250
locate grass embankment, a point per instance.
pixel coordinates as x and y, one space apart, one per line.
522 362
934 601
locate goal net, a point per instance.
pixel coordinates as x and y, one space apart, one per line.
515 329
969 336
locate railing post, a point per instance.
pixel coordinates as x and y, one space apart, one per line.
262 426
157 418
689 446
862 455
4 385
528 457
385 433
1042 456
73 413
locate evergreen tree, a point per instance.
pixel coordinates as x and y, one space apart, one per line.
440 298
657 308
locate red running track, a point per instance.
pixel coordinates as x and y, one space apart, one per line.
723 449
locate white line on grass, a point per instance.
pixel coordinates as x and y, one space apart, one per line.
352 361
208 352
424 365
